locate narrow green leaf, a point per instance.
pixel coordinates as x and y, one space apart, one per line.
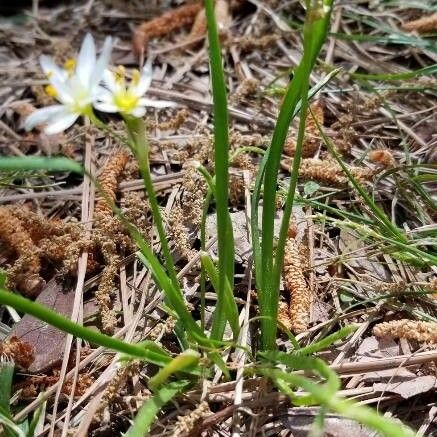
187 359
148 411
39 163
221 154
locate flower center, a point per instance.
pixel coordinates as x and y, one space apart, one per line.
125 100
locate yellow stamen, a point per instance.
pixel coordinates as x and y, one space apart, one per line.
120 74
70 65
51 91
136 77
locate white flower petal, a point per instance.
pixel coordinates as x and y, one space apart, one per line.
106 107
51 69
156 103
65 92
86 60
139 111
102 62
61 122
145 79
42 116
109 80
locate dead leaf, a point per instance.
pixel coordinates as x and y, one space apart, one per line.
410 388
300 422
47 341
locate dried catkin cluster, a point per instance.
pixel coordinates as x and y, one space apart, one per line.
173 124
24 273
425 332
108 180
247 42
117 383
109 236
32 386
312 139
18 351
186 423
222 14
328 171
295 283
187 212
426 24
284 315
249 87
382 157
164 24
162 328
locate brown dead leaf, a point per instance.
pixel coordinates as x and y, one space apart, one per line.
410 388
47 342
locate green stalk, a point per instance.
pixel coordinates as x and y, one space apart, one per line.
137 132
52 318
221 156
315 30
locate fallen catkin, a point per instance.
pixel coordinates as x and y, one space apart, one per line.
425 332
284 315
312 138
223 17
425 24
108 180
382 157
328 171
295 284
17 350
167 22
186 423
24 274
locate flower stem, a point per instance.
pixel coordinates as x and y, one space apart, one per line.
140 147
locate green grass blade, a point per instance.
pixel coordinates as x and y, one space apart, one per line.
347 408
39 163
316 25
221 153
228 311
426 71
327 341
6 375
148 411
384 221
186 360
53 318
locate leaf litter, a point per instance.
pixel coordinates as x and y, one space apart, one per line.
383 129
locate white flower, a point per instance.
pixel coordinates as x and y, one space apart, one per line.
75 87
128 99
